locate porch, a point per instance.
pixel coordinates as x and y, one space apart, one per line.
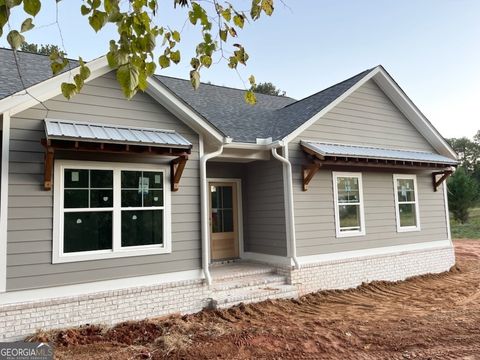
246 211
242 281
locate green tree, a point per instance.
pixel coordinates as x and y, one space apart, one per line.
268 88
468 151
47 49
462 194
132 52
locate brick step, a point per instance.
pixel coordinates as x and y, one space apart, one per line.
266 279
227 298
238 270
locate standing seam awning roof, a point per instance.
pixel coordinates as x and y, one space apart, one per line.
364 152
108 133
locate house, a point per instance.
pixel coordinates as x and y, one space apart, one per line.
116 209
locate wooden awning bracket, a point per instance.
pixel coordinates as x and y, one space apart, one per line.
176 170
438 181
48 167
308 172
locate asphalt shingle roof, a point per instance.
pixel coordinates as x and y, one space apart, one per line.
224 107
34 69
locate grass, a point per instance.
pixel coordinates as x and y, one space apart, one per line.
469 230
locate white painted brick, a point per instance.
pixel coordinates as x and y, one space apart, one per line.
111 307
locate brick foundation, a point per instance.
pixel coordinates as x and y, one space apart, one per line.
350 273
110 307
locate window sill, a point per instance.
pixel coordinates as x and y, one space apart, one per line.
350 234
109 254
408 229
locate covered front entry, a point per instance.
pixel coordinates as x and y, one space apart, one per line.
224 219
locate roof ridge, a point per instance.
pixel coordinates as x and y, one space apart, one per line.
331 86
225 87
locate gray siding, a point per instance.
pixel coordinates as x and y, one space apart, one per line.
264 228
367 117
266 209
29 245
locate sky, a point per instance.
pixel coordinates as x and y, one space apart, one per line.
430 47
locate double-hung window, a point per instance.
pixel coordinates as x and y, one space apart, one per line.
110 210
348 196
406 202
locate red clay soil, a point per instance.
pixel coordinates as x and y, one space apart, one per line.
427 317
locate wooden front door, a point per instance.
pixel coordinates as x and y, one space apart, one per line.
223 220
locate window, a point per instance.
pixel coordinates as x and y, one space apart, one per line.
105 211
406 202
348 196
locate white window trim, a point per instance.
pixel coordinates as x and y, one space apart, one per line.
362 231
397 211
117 250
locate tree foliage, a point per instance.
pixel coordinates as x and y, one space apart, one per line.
464 184
47 49
468 151
268 88
462 194
132 52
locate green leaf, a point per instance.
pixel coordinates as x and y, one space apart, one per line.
267 6
11 3
250 97
251 80
4 15
97 20
85 10
233 62
127 77
227 14
223 35
176 36
232 32
32 7
78 81
15 39
68 90
142 82
195 63
206 60
175 56
239 20
150 68
27 25
164 61
84 72
255 11
96 4
195 79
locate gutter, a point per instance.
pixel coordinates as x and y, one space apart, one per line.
204 205
288 191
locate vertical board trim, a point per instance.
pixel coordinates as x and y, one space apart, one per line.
4 200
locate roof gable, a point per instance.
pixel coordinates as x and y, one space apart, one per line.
367 117
397 97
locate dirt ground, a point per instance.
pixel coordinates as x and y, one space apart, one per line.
428 317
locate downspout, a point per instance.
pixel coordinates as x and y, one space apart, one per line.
289 212
204 207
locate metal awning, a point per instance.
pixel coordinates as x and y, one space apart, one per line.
67 135
324 154
374 153
113 134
